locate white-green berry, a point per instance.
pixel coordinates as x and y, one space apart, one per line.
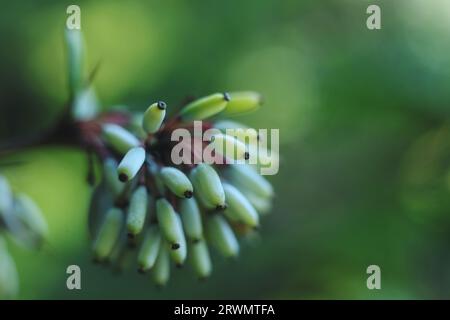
238 130
154 117
161 269
208 187
101 201
246 177
221 236
239 207
136 127
200 259
169 223
131 163
179 255
118 138
31 216
149 249
137 211
177 182
261 204
108 234
111 177
9 279
6 196
230 147
191 218
85 105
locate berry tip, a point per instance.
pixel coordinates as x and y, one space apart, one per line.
161 105
123 177
221 207
141 271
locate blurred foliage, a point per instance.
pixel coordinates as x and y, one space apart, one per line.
364 119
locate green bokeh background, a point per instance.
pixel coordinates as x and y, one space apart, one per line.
364 137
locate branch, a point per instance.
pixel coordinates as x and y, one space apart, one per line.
64 132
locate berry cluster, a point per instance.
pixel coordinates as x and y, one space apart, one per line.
147 203
22 220
171 211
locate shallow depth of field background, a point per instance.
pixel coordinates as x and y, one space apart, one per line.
365 137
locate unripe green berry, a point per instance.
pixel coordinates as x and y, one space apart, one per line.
137 211
118 138
238 207
208 187
205 107
149 248
177 182
154 117
221 236
191 218
161 269
242 102
170 223
108 234
131 163
200 259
